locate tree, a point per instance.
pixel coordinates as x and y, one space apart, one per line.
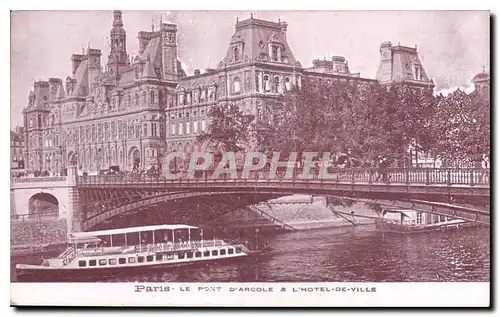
461 126
228 129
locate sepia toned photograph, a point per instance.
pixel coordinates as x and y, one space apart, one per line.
157 149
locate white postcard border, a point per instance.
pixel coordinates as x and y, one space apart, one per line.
390 294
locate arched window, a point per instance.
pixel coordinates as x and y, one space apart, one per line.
173 129
189 98
276 86
236 55
236 85
181 99
288 85
267 83
275 56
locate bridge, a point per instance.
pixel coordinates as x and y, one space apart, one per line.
197 198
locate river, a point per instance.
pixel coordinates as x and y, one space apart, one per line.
348 254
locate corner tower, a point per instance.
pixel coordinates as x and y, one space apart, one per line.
117 59
169 51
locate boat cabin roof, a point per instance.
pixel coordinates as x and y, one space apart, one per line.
399 211
85 239
80 235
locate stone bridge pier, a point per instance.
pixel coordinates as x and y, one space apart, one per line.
44 209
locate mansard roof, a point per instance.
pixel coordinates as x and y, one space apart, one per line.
255 35
153 50
149 71
82 80
60 92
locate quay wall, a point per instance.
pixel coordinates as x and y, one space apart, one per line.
25 234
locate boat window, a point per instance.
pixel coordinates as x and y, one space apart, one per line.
230 251
132 238
189 255
222 251
131 260
161 236
82 263
112 261
149 258
140 259
181 256
118 240
103 262
215 252
238 250
105 240
197 254
92 262
159 257
206 253
122 260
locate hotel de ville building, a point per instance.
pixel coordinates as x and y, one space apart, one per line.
134 110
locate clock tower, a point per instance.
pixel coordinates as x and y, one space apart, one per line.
117 59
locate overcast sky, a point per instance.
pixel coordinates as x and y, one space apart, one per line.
453 45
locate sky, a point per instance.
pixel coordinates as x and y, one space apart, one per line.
453 46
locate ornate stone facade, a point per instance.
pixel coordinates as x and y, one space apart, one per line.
137 109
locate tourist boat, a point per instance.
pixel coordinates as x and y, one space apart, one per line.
405 221
116 251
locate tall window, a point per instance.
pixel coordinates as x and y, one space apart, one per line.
203 125
145 133
236 55
188 127
418 75
181 129
195 127
153 97
173 129
276 86
288 86
267 83
236 85
153 129
275 56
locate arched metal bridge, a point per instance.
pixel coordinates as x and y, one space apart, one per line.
462 193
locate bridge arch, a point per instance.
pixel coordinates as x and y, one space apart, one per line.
43 204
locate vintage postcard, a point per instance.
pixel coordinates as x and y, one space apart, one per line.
250 158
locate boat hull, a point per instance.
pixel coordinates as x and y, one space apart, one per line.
388 227
64 274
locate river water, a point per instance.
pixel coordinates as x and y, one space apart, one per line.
348 254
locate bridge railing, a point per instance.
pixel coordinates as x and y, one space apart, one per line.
38 179
445 176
